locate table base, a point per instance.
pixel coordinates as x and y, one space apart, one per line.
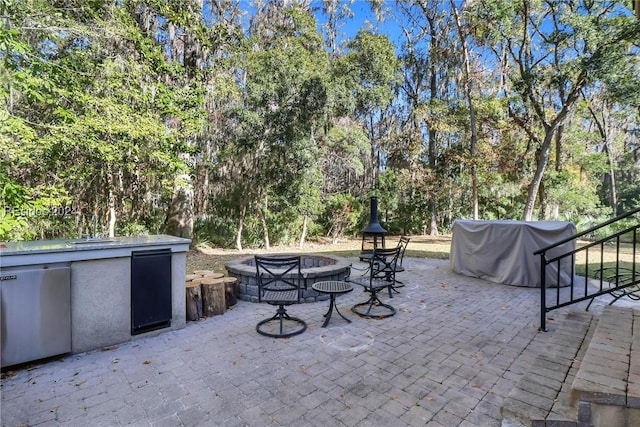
332 306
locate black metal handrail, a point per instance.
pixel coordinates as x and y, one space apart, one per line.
574 292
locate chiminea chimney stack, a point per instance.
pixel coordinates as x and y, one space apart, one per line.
374 225
373 234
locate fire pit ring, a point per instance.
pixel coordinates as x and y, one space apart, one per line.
317 267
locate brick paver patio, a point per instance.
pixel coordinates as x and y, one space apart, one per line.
449 357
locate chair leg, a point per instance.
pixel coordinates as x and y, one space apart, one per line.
280 318
372 302
394 287
589 305
616 297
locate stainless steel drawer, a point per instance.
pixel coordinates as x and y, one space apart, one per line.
35 320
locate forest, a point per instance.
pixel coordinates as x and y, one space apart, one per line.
264 122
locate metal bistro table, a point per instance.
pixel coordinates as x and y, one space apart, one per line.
333 288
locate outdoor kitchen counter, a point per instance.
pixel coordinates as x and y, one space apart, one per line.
52 251
101 281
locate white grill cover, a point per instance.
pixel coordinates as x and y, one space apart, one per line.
502 251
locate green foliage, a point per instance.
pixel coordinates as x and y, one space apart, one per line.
572 197
341 216
500 199
15 210
133 229
87 111
369 71
108 106
344 150
216 230
628 178
27 213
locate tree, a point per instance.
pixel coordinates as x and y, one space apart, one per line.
429 63
369 71
241 119
282 110
467 82
84 84
555 49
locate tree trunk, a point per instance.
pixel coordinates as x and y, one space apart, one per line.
303 234
375 156
111 206
265 229
112 220
534 187
550 130
180 217
433 94
612 180
243 212
472 111
542 195
433 224
231 290
559 148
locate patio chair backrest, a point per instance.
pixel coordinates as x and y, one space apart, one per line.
402 244
279 278
383 264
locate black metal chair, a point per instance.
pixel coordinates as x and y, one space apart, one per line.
280 282
402 244
381 275
620 282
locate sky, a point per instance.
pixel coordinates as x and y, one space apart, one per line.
363 17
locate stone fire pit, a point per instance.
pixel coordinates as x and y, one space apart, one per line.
317 268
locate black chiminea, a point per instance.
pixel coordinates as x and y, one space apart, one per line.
373 234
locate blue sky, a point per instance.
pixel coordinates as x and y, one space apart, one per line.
363 17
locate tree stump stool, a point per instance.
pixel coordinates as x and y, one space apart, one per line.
207 273
194 300
230 290
195 294
213 296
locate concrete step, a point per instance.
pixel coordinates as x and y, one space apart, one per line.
542 396
607 385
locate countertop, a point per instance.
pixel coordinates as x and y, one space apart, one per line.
66 250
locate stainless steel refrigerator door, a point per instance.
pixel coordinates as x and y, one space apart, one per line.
35 321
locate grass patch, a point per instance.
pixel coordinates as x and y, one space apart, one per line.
604 256
204 257
432 247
